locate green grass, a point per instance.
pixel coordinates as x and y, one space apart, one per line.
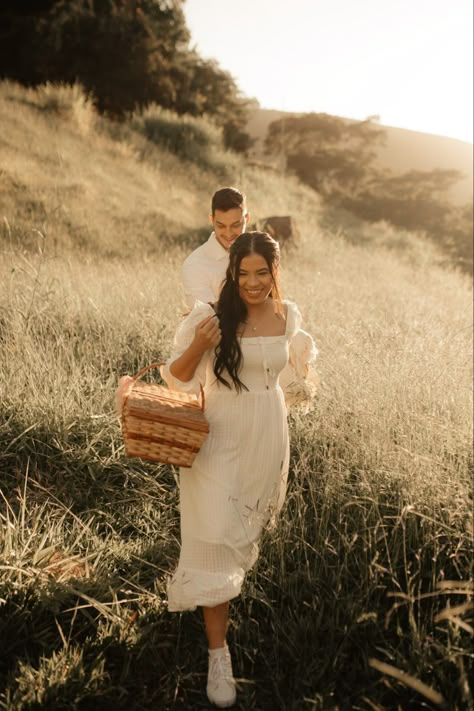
371 558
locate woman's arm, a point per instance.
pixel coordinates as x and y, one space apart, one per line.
207 335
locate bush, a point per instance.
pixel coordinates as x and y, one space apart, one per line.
69 101
194 139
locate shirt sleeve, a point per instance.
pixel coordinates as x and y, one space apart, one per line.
298 379
182 340
196 284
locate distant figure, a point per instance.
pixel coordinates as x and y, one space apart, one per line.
203 272
237 483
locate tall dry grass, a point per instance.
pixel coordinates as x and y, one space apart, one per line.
377 515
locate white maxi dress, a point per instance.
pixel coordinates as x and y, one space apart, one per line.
237 482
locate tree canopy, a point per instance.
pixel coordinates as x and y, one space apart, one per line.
336 157
327 152
126 53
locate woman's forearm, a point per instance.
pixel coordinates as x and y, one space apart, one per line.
184 367
206 336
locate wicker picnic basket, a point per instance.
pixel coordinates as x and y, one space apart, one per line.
162 425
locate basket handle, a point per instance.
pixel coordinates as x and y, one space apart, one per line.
144 370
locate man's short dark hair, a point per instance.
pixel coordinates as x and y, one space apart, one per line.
228 199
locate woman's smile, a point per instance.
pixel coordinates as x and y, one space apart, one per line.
255 278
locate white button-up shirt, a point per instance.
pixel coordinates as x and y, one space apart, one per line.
204 271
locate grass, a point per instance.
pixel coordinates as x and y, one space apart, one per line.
362 595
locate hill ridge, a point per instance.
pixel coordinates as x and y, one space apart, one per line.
404 150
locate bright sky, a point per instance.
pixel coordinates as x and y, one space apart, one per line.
408 61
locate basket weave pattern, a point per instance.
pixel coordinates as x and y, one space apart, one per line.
162 425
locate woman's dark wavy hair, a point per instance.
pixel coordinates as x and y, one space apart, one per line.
230 308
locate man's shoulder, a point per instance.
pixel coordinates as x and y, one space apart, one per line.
197 254
201 255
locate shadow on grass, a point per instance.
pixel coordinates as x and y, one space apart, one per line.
52 640
83 467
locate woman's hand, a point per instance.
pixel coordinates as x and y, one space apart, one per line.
207 334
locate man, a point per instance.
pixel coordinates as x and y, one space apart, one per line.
204 270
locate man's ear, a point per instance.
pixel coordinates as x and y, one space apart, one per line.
247 218
211 219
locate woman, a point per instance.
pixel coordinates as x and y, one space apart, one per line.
238 480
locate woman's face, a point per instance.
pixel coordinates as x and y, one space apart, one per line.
255 279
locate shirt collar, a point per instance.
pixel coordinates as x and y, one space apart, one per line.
215 249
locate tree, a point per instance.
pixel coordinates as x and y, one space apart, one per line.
336 157
417 200
206 89
331 154
237 139
413 200
126 53
123 52
20 43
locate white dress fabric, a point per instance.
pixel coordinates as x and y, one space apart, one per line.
238 480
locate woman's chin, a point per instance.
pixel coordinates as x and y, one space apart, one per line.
254 299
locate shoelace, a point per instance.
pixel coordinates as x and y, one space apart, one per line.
221 668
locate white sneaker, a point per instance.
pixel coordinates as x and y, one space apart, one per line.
220 679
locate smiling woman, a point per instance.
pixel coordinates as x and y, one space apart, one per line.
237 483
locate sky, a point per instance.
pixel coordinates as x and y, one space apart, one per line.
410 62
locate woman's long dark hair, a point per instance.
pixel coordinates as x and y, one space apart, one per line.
230 308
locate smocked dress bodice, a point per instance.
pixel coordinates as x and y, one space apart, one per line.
264 358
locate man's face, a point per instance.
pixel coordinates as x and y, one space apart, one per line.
229 225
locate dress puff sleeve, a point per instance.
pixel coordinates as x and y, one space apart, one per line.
182 339
298 379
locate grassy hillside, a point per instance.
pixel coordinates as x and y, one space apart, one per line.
84 183
402 151
361 597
